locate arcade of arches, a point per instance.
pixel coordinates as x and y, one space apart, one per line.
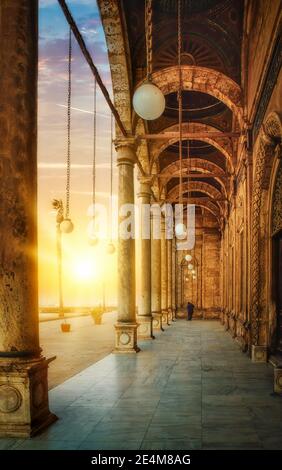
232 124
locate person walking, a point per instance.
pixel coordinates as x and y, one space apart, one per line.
190 311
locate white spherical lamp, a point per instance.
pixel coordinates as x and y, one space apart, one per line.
190 266
194 278
111 249
66 226
188 258
93 239
149 101
180 230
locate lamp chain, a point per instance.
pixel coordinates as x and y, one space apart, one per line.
69 126
94 146
179 41
149 37
188 168
111 200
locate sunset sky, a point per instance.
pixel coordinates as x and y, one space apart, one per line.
84 266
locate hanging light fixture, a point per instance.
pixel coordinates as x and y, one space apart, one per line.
111 247
93 239
188 258
66 226
190 266
180 228
148 100
194 277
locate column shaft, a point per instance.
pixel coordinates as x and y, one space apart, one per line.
19 334
169 279
156 275
173 281
126 326
144 310
24 406
164 274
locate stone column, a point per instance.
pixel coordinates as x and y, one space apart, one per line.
169 280
164 274
145 312
126 326
156 273
24 408
173 281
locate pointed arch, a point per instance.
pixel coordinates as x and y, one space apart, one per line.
205 80
223 144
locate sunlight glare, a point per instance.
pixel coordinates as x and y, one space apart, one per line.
84 269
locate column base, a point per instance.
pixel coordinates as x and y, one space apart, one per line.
126 338
165 318
169 316
145 328
173 314
278 380
157 321
259 353
24 406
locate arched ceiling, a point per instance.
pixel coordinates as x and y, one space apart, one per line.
212 96
212 33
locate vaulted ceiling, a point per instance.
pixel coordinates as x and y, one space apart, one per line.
211 41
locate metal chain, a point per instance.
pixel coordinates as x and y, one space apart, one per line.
69 127
94 146
149 37
188 168
179 44
111 200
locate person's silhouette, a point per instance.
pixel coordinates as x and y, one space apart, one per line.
190 310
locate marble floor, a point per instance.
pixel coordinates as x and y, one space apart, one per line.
97 343
190 388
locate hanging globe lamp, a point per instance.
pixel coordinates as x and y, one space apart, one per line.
66 226
180 230
111 248
148 101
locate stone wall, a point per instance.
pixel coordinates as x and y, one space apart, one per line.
203 291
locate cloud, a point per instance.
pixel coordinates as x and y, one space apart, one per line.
84 110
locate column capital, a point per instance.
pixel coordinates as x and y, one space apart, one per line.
126 150
128 141
145 179
145 185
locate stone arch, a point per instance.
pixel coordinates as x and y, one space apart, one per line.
195 164
119 56
205 80
223 144
268 139
198 186
208 205
142 151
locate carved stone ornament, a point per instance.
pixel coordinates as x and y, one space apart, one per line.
10 399
277 202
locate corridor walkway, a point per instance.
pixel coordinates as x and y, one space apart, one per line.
191 388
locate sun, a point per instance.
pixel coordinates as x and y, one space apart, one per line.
84 269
